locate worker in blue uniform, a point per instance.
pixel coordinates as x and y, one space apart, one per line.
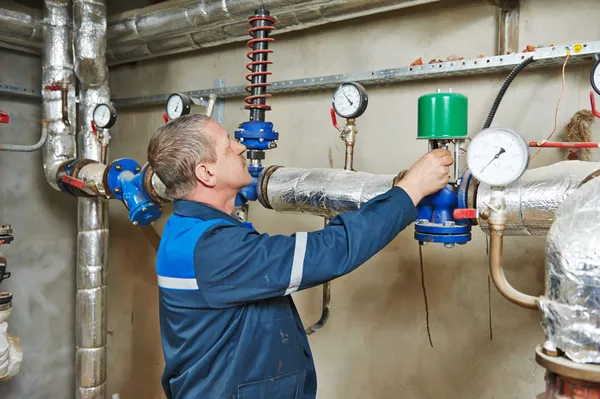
228 323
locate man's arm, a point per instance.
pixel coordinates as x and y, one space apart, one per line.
235 265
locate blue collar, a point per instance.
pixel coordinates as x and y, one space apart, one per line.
201 211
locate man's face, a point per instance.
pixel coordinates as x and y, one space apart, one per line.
230 168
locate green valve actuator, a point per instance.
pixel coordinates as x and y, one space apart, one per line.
442 116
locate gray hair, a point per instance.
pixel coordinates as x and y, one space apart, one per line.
176 149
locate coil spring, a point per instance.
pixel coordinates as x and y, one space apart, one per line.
251 76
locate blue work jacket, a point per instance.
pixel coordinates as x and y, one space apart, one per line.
228 323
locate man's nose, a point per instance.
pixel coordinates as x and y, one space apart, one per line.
240 147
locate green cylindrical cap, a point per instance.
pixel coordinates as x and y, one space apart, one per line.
442 116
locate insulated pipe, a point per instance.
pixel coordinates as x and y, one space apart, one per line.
532 200
89 44
180 26
57 70
20 26
321 192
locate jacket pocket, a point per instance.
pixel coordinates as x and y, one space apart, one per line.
286 386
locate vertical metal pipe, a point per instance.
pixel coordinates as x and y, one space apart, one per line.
57 70
89 44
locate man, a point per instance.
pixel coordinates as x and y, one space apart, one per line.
228 323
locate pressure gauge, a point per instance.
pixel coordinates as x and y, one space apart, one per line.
104 116
497 156
595 75
350 100
178 104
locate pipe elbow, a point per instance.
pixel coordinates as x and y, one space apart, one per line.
497 273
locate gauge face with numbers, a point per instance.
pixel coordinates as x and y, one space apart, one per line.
595 75
350 100
178 104
104 116
498 156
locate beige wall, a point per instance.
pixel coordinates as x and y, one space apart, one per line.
375 343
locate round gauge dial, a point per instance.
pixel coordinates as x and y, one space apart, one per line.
104 116
498 156
350 100
178 104
595 75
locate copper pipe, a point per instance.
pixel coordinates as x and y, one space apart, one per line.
497 273
326 304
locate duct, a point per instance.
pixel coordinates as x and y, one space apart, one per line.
322 192
21 26
571 304
89 43
180 26
57 70
532 200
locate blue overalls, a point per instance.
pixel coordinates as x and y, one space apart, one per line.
228 322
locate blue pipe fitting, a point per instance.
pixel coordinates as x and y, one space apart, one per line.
257 135
435 220
125 179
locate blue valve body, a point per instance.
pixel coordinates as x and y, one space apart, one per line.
126 182
255 135
435 220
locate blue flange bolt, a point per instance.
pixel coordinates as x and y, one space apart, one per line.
256 134
126 179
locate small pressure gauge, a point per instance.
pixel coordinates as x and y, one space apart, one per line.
497 156
104 116
595 75
178 104
350 100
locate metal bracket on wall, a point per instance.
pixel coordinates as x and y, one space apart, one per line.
544 56
20 91
508 25
218 114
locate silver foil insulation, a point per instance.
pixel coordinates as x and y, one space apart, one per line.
322 192
532 200
571 304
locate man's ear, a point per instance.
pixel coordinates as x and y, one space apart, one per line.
205 175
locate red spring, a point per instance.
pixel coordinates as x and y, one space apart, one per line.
249 76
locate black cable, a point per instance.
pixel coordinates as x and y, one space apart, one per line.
425 295
503 89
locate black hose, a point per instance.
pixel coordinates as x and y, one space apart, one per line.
503 89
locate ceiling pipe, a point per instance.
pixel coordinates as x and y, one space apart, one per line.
179 26
20 26
89 45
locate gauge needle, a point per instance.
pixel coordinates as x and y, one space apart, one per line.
502 151
351 103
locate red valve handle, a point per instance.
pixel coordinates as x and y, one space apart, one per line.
593 103
4 118
94 130
166 118
334 119
53 87
73 181
465 213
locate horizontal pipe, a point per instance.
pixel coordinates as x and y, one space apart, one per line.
322 192
28 148
179 26
21 26
532 200
562 144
